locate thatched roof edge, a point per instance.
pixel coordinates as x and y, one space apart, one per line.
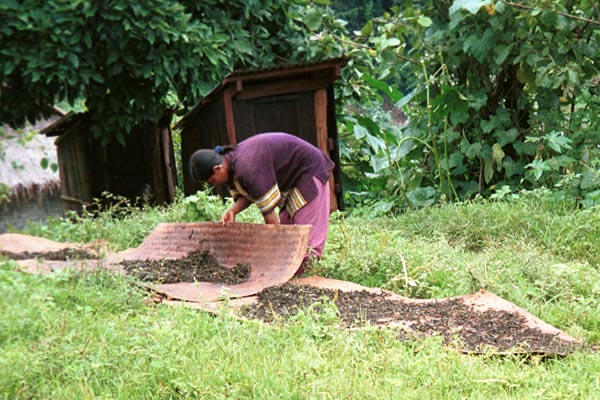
39 192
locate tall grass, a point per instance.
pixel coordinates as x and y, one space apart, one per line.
96 335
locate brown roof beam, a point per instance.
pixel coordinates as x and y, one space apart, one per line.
284 72
281 87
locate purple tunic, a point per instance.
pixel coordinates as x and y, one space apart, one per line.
276 169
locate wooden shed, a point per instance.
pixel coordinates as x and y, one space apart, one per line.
297 99
143 168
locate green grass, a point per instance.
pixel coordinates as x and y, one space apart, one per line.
96 335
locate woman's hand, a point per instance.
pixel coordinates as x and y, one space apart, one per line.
241 203
271 218
229 216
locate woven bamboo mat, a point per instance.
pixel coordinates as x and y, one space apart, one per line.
274 253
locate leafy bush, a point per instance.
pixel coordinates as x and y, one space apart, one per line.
497 95
204 206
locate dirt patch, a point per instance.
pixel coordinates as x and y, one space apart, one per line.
197 266
58 255
458 324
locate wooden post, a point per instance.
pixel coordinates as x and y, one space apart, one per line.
169 164
229 118
322 138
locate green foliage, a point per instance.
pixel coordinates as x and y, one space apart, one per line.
119 56
496 94
119 223
124 225
131 62
204 206
359 12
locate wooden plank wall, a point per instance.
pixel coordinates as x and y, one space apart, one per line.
291 113
145 166
205 130
74 168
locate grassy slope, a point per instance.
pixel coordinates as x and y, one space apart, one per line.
95 336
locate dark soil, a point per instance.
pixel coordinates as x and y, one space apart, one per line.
197 266
58 255
458 324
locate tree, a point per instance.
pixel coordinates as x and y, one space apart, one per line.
131 61
358 12
501 96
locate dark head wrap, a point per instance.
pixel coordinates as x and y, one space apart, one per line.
202 163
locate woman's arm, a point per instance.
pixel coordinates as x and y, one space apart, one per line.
240 205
